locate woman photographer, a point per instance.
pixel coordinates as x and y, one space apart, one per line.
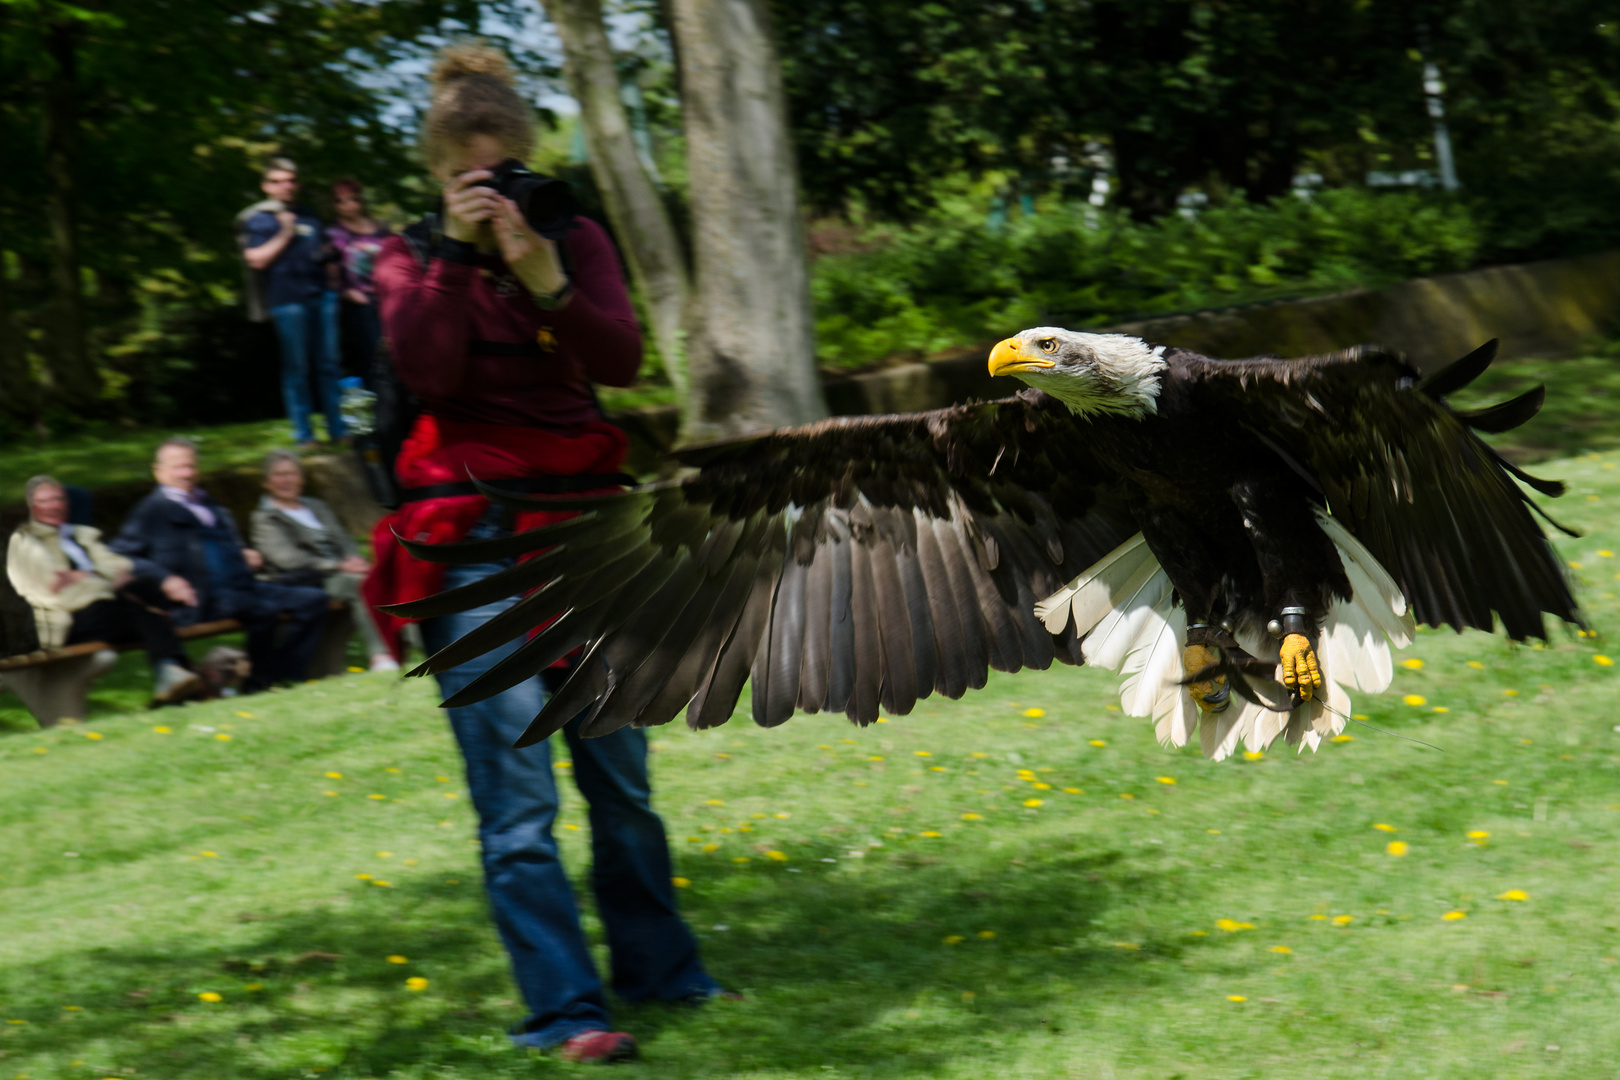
500 335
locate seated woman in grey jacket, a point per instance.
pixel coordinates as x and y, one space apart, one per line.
303 543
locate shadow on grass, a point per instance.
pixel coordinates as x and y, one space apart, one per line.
830 962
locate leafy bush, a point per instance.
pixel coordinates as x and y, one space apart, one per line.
950 280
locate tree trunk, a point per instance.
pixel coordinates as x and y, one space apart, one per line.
646 233
71 370
18 393
750 339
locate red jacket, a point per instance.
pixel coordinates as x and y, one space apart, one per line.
495 417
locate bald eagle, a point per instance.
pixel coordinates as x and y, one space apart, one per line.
1241 539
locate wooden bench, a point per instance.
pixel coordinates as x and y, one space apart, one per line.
53 684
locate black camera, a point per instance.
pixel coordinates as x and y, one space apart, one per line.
546 203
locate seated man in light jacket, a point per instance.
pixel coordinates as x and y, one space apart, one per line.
303 543
81 590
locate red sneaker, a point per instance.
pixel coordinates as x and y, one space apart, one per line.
600 1047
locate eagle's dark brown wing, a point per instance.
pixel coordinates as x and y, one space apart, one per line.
1435 505
855 565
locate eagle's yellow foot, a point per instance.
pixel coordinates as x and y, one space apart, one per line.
1211 695
1300 672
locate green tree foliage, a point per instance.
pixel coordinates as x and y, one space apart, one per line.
1226 96
171 106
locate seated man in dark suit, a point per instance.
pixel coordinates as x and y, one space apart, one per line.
179 529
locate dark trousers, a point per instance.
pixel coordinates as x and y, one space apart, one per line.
279 650
361 329
127 618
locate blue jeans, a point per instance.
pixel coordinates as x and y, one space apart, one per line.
308 333
655 956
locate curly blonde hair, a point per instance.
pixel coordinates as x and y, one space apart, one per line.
474 94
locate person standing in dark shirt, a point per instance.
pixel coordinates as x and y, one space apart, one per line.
287 249
358 238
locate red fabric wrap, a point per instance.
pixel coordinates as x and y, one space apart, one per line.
443 451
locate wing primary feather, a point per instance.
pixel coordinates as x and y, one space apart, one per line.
584 685
841 614
817 612
1459 373
778 691
867 640
716 700
950 650
899 681
1505 415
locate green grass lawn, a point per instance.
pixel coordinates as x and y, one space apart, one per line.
1020 884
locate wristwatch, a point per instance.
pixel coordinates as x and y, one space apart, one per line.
553 300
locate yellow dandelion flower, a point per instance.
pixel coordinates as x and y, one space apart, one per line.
1603 661
1126 945
1165 779
955 939
931 834
1605 554
450 795
162 729
1041 785
883 719
564 765
334 776
391 769
385 854
1396 848
1476 665
1453 916
714 802
711 847
1441 708
875 757
363 877
374 795
1513 894
356 670
1098 742
741 859
1343 920
210 854
442 779
781 814
987 934
680 882
972 817
1500 783
1033 713
1318 918
1344 738
1477 834
776 856
1412 663
1415 700
1381 827
92 735
1282 950
936 768
1034 802
397 959
40 750
1511 693
923 753
1253 755
1126 795
1215 832
210 997
1236 997
1074 790
416 982
571 827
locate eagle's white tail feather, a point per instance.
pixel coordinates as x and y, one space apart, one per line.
1115 636
1153 666
1091 596
1124 607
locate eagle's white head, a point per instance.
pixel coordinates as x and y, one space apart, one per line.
1091 373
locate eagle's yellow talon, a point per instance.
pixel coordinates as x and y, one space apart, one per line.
1210 695
1300 671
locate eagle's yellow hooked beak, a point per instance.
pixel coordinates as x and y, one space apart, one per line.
1007 357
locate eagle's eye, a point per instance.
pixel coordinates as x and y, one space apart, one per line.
1049 345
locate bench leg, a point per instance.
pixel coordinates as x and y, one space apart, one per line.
57 691
332 654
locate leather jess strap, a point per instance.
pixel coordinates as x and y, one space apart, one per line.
522 485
